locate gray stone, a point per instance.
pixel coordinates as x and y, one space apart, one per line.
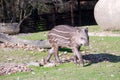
33 64
107 14
49 65
9 28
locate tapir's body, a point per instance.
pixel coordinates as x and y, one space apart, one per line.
67 36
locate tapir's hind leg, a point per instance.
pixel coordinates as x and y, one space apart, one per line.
50 53
56 54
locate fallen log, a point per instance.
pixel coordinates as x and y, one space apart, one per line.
13 39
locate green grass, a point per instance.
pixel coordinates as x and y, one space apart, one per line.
69 71
109 70
116 31
94 28
105 44
35 36
20 55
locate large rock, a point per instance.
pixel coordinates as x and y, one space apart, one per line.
107 14
9 28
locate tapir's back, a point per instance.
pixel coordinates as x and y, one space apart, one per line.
61 35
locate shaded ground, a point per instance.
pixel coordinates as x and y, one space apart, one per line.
96 58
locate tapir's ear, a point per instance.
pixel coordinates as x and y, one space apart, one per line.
86 29
82 29
78 29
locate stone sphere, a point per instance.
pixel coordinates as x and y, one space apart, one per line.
107 14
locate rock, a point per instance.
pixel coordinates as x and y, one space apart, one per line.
33 64
9 28
107 14
49 65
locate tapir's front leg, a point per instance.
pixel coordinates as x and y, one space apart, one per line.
79 56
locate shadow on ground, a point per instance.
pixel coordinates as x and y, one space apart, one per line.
96 58
101 57
65 49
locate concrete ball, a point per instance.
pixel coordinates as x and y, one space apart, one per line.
107 14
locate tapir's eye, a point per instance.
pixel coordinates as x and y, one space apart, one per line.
82 38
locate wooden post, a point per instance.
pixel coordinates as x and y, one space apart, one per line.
79 13
4 9
71 11
53 14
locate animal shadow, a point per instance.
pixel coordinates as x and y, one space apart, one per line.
101 57
65 49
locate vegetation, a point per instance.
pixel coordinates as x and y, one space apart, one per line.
94 28
13 10
35 36
49 12
107 47
100 71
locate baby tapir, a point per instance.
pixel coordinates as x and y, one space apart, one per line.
67 36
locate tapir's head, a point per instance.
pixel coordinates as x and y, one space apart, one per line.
82 36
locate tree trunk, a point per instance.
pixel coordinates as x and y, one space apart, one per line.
71 11
15 40
53 15
4 10
79 13
13 11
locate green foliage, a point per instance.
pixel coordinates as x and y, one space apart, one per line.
43 8
41 25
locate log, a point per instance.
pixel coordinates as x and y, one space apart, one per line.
13 39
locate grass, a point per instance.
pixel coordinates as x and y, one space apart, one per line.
94 28
105 70
69 71
19 55
116 31
105 44
35 36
